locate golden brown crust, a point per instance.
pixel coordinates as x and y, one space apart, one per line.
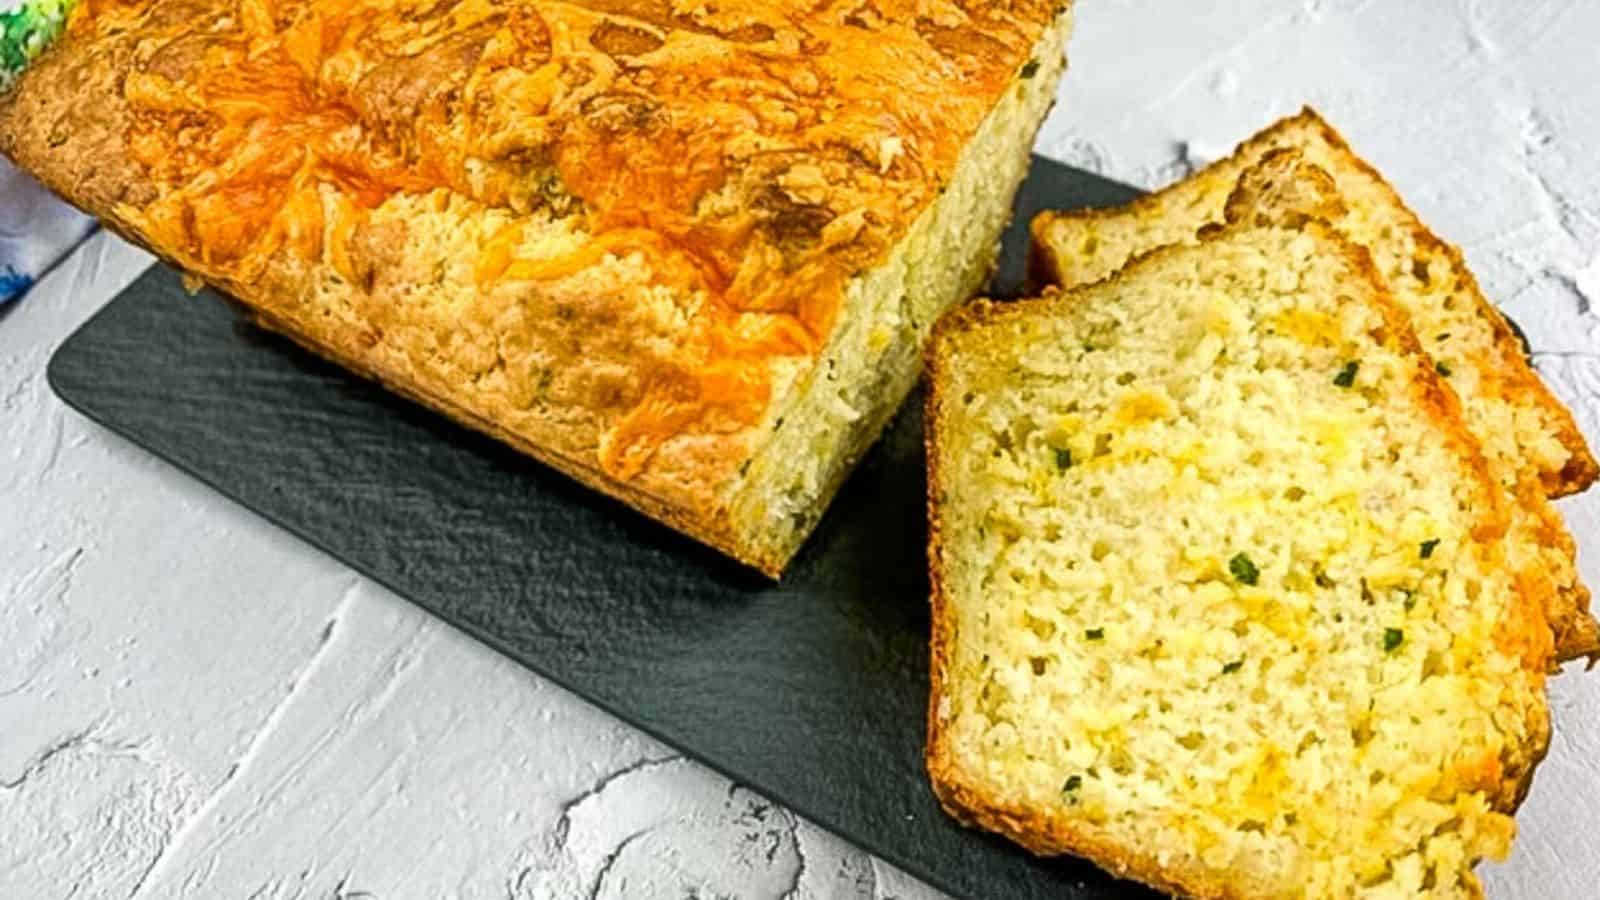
1284 189
100 187
709 181
1047 836
1523 628
1044 271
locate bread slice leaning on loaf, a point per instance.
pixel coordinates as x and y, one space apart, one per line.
688 256
1219 593
1529 438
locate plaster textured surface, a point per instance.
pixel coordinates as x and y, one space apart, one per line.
195 705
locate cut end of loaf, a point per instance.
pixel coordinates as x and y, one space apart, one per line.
875 355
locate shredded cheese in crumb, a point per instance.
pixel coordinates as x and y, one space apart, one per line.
1529 441
1251 622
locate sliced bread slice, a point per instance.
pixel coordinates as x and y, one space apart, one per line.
1531 443
1283 187
1518 418
1218 591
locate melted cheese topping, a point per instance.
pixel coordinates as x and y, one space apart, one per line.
755 155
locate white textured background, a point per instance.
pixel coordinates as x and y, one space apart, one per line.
194 705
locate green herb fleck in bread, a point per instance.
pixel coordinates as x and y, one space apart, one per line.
1259 639
1455 322
1532 445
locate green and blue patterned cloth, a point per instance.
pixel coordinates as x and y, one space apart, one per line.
26 28
36 230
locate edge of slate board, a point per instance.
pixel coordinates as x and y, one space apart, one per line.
975 864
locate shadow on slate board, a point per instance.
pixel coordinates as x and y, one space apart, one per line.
811 691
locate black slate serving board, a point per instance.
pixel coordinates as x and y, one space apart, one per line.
811 691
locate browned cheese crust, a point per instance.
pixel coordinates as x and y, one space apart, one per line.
612 233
